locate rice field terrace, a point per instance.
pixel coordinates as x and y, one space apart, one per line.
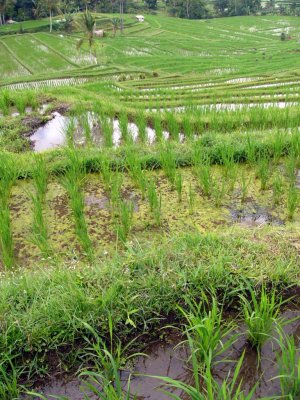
150 210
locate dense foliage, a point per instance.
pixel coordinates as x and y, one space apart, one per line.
194 9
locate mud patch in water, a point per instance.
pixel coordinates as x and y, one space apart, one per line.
252 214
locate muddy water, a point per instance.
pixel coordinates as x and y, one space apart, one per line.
253 214
166 358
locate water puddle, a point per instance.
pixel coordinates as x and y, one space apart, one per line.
50 135
168 358
53 134
253 215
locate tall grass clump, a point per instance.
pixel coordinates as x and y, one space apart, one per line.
9 381
289 367
39 226
263 169
168 161
20 104
32 100
260 313
107 359
72 181
292 202
8 176
154 202
208 335
124 219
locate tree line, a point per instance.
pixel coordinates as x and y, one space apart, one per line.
21 10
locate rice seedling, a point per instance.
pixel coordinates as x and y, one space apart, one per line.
3 107
277 188
244 185
20 104
205 387
208 335
290 168
292 202
107 131
86 127
6 239
263 170
172 126
72 182
31 100
289 367
278 145
158 127
39 226
205 178
123 122
218 191
154 202
135 170
106 171
104 378
168 161
179 185
115 190
6 98
8 175
187 127
191 197
124 219
250 150
260 315
142 125
69 131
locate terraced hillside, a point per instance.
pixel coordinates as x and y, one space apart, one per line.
151 190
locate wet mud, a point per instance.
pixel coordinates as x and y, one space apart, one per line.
170 358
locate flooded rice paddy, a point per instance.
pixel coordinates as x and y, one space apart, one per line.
169 358
193 212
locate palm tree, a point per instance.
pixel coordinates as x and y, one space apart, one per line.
115 23
50 5
88 23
